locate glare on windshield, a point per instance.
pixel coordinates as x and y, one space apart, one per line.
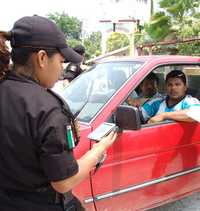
87 94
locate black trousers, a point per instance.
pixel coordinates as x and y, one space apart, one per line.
74 205
12 201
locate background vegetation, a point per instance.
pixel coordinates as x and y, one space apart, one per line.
175 20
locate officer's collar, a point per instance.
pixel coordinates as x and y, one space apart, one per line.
19 77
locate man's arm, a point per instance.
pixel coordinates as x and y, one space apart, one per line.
175 115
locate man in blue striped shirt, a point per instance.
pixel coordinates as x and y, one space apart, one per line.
174 105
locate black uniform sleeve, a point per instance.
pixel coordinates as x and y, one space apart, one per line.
56 159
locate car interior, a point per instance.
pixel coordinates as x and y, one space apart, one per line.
192 73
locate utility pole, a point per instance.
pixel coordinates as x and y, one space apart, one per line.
152 8
135 29
114 26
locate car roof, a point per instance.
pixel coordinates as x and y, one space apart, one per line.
158 58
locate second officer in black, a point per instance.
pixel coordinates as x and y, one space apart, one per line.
37 166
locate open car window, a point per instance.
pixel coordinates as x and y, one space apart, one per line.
192 73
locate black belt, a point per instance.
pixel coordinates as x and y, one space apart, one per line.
46 195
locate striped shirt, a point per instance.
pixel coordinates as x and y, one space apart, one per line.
159 105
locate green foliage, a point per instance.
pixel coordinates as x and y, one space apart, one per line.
177 19
179 8
70 26
189 49
159 26
92 44
72 42
142 38
117 40
172 18
191 27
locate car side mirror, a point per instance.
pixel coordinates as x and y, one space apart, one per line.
128 118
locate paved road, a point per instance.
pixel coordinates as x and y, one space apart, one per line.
191 203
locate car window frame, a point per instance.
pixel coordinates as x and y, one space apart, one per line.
165 122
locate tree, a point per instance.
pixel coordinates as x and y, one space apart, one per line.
73 42
92 43
151 7
179 8
170 20
71 26
178 19
189 49
117 40
159 27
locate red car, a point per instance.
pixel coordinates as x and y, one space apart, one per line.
150 164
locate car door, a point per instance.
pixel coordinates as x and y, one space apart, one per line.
154 164
151 166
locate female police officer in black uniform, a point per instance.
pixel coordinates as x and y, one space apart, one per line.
37 167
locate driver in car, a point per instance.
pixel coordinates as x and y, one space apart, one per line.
148 89
174 105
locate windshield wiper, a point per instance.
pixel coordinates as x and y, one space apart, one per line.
79 111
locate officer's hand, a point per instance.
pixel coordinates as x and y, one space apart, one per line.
107 141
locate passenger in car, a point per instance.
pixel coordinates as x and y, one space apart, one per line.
174 106
149 86
147 89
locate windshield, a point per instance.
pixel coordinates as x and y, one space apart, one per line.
87 94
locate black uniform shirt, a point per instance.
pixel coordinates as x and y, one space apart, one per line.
33 146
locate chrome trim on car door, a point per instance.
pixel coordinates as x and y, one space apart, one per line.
143 185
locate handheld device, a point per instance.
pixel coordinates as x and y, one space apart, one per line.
101 131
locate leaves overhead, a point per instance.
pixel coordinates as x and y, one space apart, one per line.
92 44
159 27
71 26
117 40
172 17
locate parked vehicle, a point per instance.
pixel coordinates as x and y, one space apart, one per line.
150 164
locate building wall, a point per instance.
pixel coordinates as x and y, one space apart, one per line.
115 10
123 9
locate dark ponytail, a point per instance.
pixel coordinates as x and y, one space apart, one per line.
4 54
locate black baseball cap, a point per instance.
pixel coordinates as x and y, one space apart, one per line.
69 75
40 32
71 71
79 49
177 74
